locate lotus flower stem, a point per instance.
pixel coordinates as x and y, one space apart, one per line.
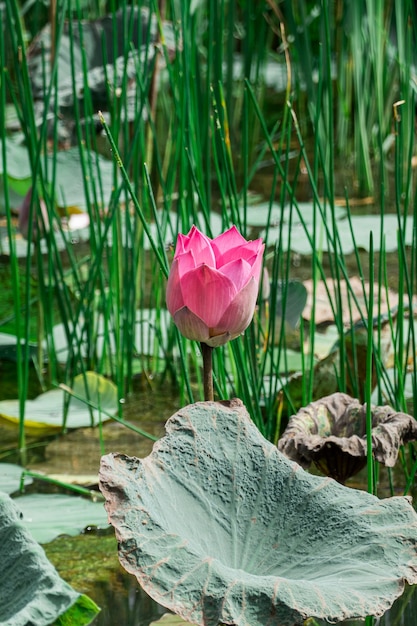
207 352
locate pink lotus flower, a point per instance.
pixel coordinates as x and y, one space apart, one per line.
213 285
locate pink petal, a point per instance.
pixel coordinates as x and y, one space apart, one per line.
239 313
257 263
229 239
173 294
248 251
190 325
181 246
186 263
239 271
199 244
207 293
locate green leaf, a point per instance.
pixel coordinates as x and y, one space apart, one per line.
82 612
19 173
291 300
218 526
31 591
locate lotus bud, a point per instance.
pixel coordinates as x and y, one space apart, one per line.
213 285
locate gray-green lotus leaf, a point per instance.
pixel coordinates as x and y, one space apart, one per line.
331 433
220 527
31 591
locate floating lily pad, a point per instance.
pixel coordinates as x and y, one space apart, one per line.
45 414
10 476
220 527
353 292
389 384
47 516
69 178
8 347
299 236
31 591
326 371
263 213
291 300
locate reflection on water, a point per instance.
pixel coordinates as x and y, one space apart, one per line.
129 605
89 563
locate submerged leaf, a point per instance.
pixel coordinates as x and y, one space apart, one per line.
220 527
31 591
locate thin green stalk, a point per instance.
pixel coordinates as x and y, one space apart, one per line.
161 260
94 405
22 381
368 380
207 353
83 491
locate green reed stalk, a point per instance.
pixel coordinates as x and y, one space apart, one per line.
24 109
22 379
83 491
207 353
368 380
159 257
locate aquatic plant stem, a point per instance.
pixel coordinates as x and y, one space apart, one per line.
207 352
369 366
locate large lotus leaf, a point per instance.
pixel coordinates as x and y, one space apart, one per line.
45 414
331 432
31 591
220 527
